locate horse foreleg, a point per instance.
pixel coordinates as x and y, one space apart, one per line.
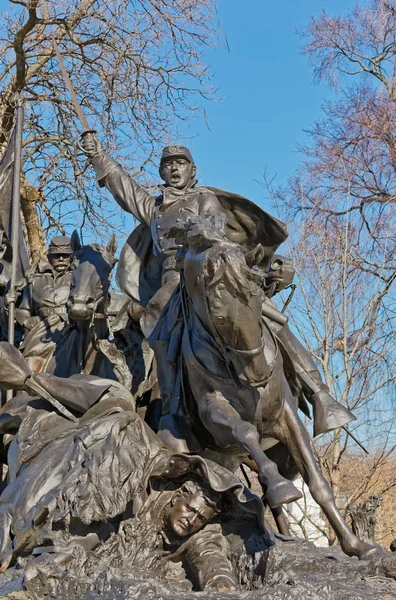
281 521
228 429
293 434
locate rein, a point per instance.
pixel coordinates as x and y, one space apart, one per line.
253 352
91 327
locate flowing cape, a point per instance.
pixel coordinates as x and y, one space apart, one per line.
91 469
139 271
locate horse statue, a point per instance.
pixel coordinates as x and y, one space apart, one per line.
95 316
237 399
78 350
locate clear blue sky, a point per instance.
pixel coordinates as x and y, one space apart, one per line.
269 97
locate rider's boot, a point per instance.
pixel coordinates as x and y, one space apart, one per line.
328 414
165 373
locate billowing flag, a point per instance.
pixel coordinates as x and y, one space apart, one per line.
6 251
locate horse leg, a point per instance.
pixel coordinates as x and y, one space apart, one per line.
281 521
290 430
227 428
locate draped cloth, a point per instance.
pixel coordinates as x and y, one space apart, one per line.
92 469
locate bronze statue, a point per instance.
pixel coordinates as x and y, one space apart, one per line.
85 346
41 308
97 500
151 263
93 492
78 351
72 478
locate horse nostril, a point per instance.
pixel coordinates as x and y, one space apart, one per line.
90 302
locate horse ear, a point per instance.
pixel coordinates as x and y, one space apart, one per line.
75 241
112 245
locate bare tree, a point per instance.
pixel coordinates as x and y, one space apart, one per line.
349 166
137 67
344 316
341 208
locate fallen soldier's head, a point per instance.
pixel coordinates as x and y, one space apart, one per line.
192 506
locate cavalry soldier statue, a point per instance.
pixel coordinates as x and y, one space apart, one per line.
42 306
150 264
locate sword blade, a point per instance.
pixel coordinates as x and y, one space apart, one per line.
69 85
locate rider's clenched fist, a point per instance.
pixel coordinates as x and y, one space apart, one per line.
90 144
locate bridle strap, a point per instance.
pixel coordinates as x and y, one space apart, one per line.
253 352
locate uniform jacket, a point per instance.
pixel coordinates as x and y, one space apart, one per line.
45 293
147 252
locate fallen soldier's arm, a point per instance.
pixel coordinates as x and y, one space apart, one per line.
206 557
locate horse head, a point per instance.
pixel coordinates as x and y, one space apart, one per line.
231 297
91 278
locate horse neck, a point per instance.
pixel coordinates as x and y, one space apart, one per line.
243 341
89 333
96 329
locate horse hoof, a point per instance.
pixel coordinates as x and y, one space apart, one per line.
281 492
373 552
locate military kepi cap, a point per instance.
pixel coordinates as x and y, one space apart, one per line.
60 244
176 152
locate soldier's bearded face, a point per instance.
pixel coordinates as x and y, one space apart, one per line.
177 172
189 514
60 262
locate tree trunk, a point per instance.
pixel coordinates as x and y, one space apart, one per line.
33 232
363 517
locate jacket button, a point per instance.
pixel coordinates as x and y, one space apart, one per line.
181 209
177 220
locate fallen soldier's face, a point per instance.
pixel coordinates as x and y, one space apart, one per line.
189 514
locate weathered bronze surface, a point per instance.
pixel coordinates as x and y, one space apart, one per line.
41 306
133 495
99 507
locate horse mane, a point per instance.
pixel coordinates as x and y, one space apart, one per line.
228 265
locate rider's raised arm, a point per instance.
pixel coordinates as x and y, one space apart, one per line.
129 195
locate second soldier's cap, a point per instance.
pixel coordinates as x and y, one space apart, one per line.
60 244
176 151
